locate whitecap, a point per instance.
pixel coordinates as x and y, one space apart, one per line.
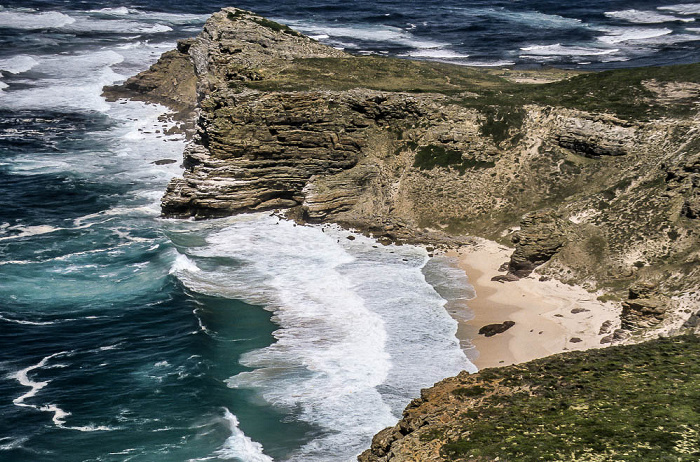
672 39
374 33
171 18
118 11
645 17
563 50
90 428
436 53
500 63
183 264
682 8
240 446
18 64
25 322
26 231
33 21
8 443
630 34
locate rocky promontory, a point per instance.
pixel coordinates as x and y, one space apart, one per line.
593 178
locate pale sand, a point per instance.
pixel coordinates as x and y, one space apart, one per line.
541 310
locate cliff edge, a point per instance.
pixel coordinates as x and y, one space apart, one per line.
593 178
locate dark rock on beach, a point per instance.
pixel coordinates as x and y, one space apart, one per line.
490 330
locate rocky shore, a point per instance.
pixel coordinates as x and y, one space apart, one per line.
592 179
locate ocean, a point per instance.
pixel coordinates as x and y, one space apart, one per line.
127 337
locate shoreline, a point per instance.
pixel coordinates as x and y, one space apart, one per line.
542 312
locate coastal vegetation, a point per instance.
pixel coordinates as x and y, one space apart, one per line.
626 403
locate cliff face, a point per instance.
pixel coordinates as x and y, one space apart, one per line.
594 176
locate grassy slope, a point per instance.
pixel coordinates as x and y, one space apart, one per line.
620 91
639 402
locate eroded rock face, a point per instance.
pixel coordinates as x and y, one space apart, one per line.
644 307
596 136
287 123
539 238
257 152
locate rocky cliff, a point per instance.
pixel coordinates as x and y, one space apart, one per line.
593 178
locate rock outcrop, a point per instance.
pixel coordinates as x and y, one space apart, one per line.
592 190
539 238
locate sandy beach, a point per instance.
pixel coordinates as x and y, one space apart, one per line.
550 317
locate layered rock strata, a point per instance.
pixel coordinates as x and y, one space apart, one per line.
590 189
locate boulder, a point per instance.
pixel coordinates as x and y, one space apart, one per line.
540 237
490 330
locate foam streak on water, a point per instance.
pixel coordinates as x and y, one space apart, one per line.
22 376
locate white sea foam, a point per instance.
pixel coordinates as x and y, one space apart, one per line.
171 18
500 63
630 34
73 81
563 50
361 331
374 33
645 17
91 428
672 39
527 18
239 446
22 377
8 443
25 322
118 26
118 11
32 21
683 8
17 64
26 231
436 53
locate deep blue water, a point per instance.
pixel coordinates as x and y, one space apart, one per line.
127 337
